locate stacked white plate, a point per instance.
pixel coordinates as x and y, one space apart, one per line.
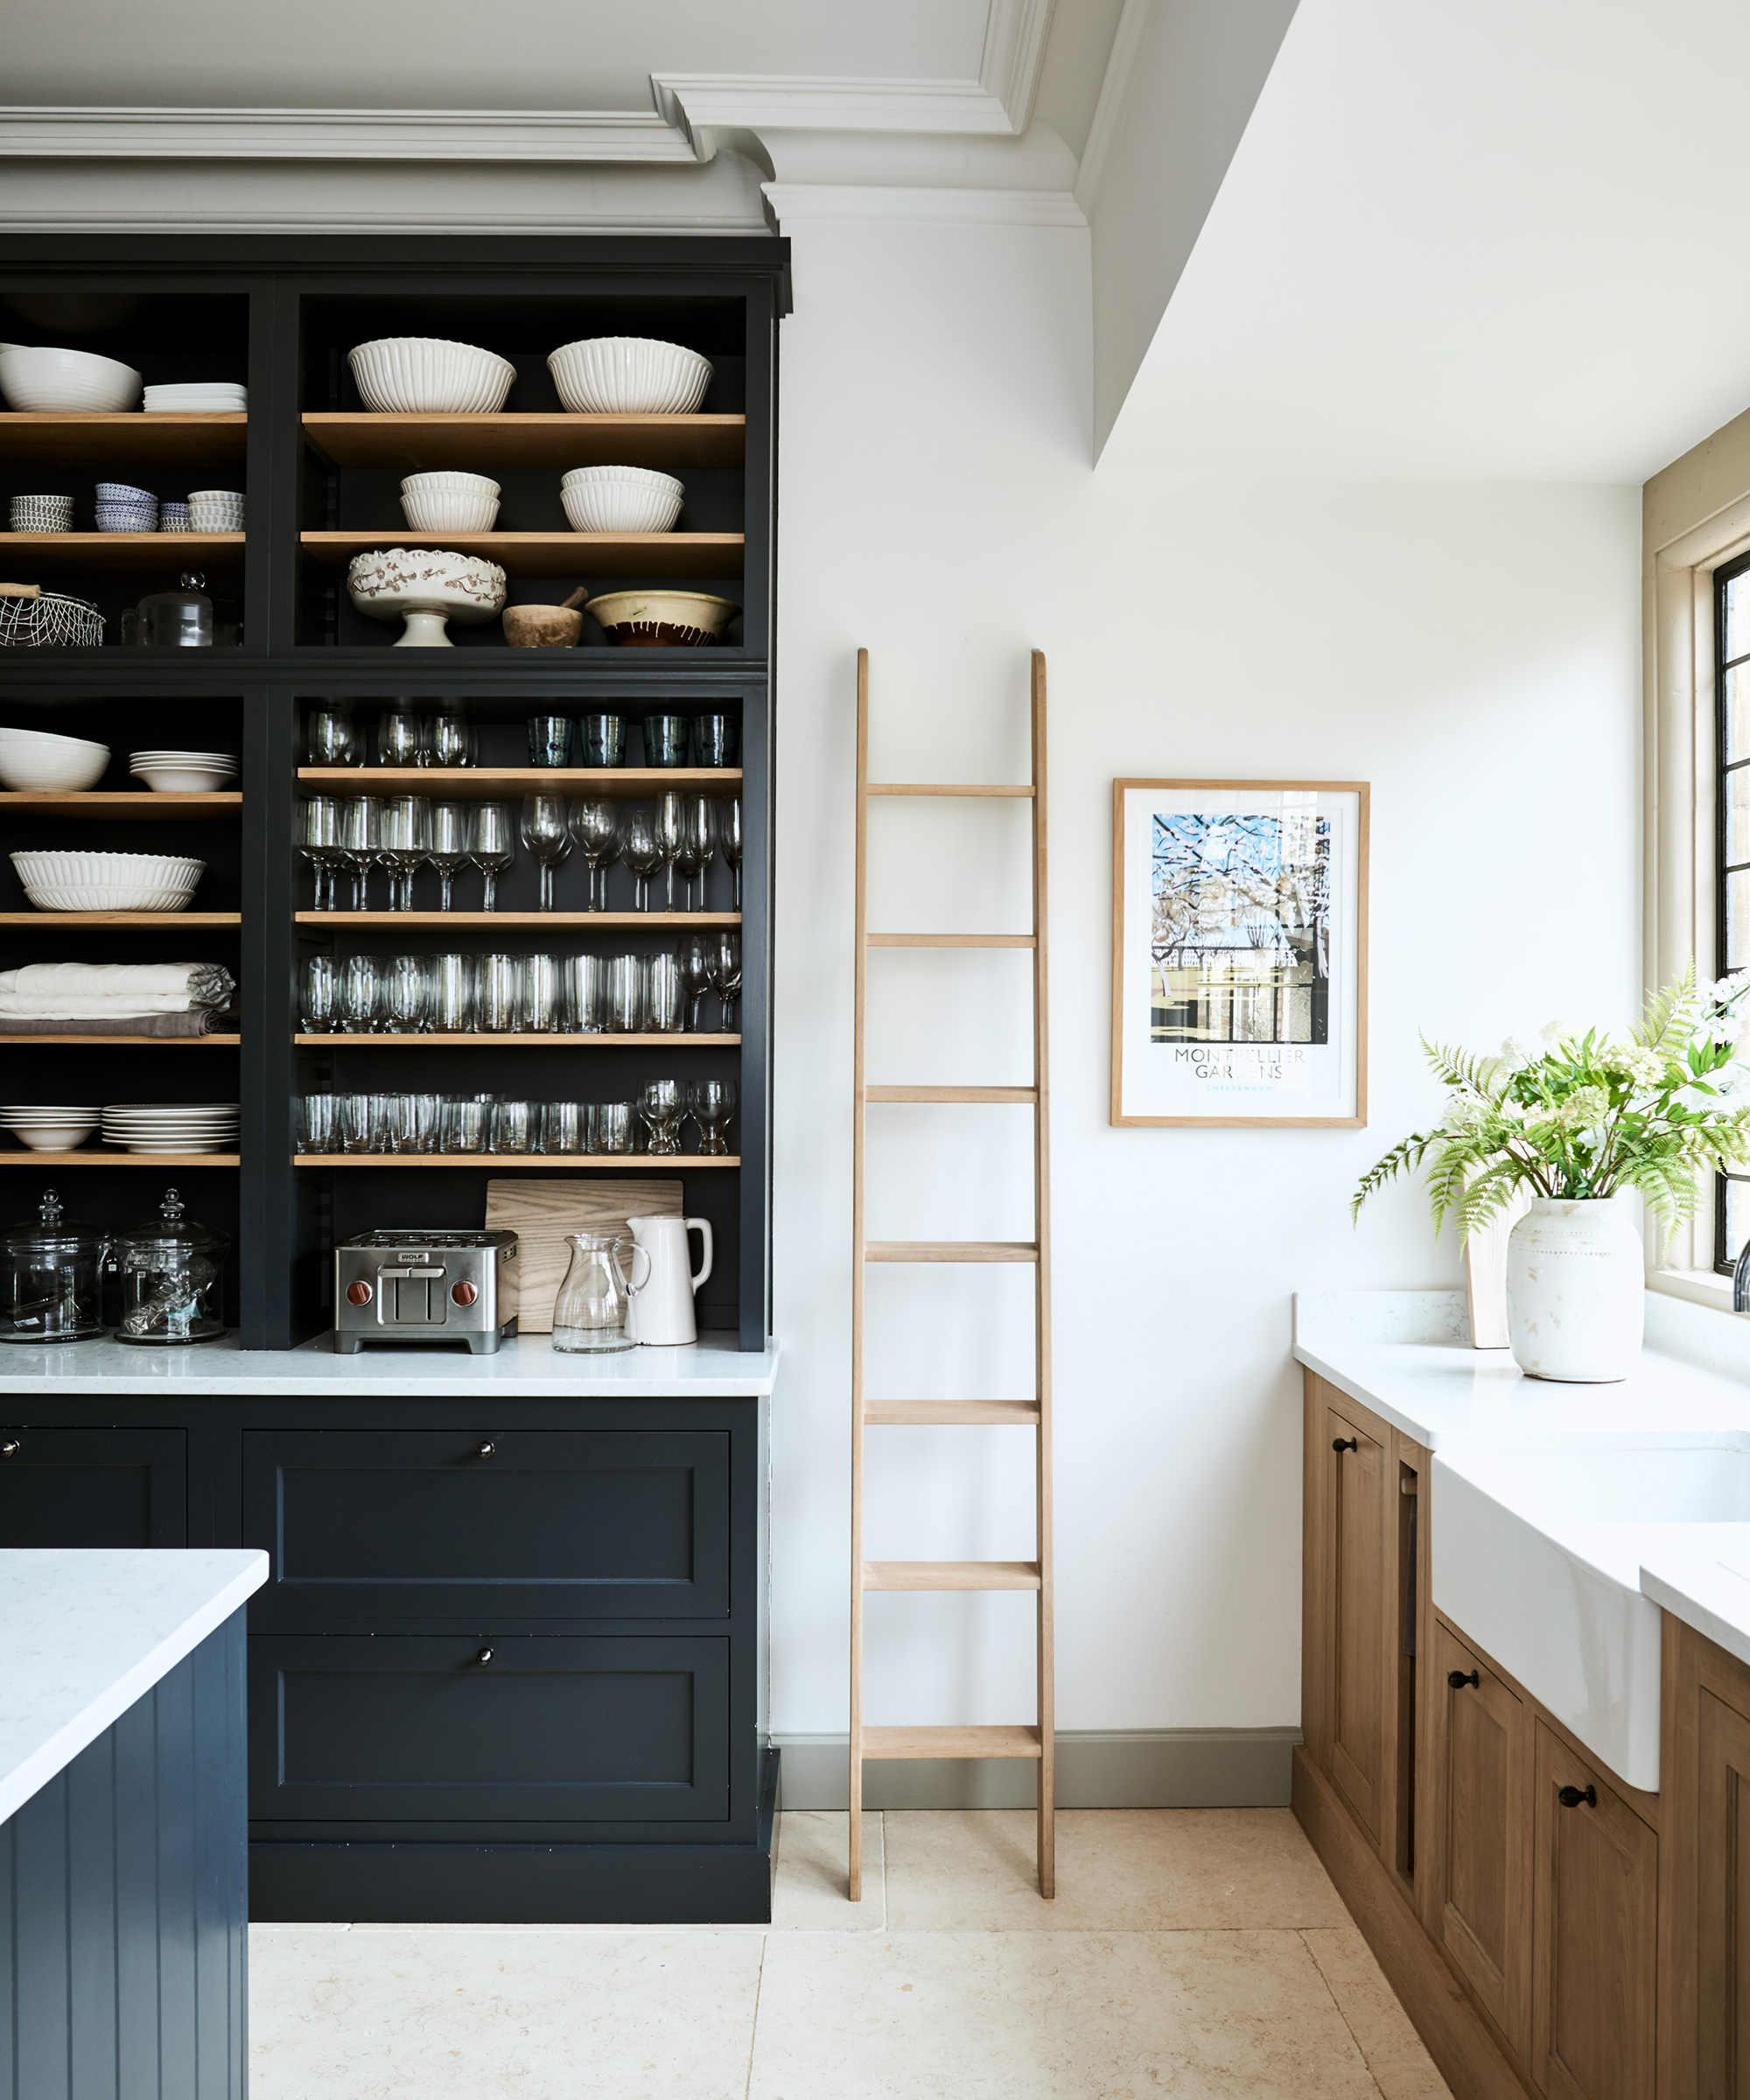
173 1126
198 397
48 1126
183 772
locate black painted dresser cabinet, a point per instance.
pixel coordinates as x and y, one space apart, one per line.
506 1664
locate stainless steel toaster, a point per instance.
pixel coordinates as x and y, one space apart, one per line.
414 1285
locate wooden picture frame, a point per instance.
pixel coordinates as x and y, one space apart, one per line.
1267 943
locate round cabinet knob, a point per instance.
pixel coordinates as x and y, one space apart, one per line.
360 1294
11 1448
483 1657
485 1450
1457 1679
1344 1444
464 1293
1571 1797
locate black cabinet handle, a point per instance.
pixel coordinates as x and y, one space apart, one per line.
1458 1680
483 1657
1344 1444
1571 1797
11 1448
483 1450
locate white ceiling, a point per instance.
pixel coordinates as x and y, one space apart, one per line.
1504 238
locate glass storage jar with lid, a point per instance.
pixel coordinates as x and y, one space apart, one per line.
172 620
172 1272
51 1278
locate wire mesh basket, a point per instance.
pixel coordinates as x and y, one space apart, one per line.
50 622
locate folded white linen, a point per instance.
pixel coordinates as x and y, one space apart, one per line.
69 1004
195 984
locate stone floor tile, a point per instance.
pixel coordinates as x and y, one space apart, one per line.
1402 2066
810 1892
1119 1869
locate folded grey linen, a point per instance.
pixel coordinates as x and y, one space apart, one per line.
195 1021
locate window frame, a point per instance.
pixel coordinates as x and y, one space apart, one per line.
1723 577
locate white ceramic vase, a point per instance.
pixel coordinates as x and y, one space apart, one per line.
1575 1279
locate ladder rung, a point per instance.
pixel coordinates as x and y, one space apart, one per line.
964 1094
941 787
951 1742
951 1575
949 1413
949 940
951 1250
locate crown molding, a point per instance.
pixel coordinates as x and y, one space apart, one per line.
700 102
793 203
47 133
1015 33
1115 95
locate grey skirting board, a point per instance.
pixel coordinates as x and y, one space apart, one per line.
1097 1768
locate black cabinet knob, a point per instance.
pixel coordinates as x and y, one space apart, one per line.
1344 1444
1458 1680
483 1450
1571 1797
11 1448
483 1657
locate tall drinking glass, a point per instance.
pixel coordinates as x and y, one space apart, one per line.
491 845
604 740
360 819
318 995
665 1010
449 847
407 994
315 1124
359 1119
616 1125
623 1002
547 834
595 827
453 994
641 851
361 995
498 995
542 994
404 839
583 984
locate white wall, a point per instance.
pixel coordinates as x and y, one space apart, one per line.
1471 649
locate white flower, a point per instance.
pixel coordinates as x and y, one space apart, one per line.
1557 1033
1723 990
1514 1054
1465 1111
1643 1067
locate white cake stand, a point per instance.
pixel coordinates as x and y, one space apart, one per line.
427 588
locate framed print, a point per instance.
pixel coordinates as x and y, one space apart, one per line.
1239 952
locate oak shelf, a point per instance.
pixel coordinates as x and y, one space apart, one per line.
487 783
556 439
532 1039
167 922
131 435
125 550
98 802
547 1163
23 1158
475 921
610 554
224 1042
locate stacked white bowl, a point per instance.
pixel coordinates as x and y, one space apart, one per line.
620 498
123 509
66 383
198 397
172 1126
108 882
215 510
425 375
183 772
42 514
629 376
450 502
48 1126
32 760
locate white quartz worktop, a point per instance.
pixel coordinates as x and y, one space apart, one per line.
523 1367
86 1634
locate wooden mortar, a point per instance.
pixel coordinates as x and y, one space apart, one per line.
545 627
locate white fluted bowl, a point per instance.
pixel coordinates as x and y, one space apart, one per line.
450 502
66 382
48 768
108 882
629 376
427 587
424 375
620 498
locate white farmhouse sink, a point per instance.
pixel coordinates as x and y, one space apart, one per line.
1538 1558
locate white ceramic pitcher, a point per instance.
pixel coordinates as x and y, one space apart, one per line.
662 1313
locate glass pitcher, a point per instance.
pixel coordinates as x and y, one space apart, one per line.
589 1314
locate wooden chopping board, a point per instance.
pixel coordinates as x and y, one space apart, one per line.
542 1213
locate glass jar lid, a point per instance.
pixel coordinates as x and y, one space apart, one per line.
191 591
171 1233
50 1234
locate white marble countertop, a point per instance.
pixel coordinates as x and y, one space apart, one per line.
524 1367
85 1634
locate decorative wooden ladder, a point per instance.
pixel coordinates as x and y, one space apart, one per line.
1013 1740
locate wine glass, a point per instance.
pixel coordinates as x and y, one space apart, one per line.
404 736
711 1103
725 976
321 846
729 839
361 817
595 827
548 836
641 851
453 736
328 736
669 825
698 845
403 840
694 956
449 847
490 845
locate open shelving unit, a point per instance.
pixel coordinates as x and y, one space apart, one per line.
321 475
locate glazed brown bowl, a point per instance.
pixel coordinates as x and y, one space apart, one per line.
663 619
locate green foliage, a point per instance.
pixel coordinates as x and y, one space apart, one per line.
1590 1116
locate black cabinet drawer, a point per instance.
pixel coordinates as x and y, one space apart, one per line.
369 1526
406 1729
93 1487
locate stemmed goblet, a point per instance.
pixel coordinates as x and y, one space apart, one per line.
490 846
403 840
694 956
711 1103
725 976
641 851
595 827
449 847
663 1103
360 817
729 839
669 825
548 836
321 846
698 845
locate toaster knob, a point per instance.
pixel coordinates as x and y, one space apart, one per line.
359 1293
464 1293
